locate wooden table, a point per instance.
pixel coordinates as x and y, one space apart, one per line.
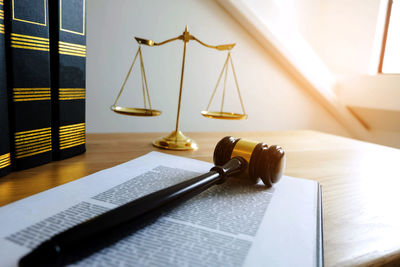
360 183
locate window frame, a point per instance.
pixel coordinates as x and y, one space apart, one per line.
384 37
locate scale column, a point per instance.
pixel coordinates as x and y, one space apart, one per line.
181 84
176 140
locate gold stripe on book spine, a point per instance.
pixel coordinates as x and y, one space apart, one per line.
29 47
71 93
32 148
72 135
66 136
32 99
30 89
29 136
34 153
77 48
64 133
5 160
73 98
32 142
63 52
5 156
29 37
71 49
72 144
71 44
23 140
29 42
24 143
31 94
72 126
48 129
72 89
73 141
79 133
76 144
3 165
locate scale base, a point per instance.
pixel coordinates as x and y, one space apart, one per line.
176 140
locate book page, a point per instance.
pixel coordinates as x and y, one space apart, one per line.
232 224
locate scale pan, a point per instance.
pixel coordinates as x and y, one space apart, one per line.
223 115
143 112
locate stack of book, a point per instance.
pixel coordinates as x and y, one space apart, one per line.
42 83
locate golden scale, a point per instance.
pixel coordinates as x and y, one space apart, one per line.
176 140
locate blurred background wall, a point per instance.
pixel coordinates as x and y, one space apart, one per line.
273 99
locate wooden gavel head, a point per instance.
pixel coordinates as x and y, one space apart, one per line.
263 162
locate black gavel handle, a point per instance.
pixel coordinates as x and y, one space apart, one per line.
107 228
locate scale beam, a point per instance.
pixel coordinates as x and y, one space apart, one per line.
186 37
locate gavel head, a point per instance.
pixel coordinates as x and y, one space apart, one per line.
263 161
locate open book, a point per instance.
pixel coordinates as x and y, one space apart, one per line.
232 224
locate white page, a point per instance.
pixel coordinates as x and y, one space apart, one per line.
230 225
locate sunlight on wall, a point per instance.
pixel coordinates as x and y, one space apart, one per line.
282 23
345 33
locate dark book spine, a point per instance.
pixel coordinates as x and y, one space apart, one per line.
5 160
28 70
68 65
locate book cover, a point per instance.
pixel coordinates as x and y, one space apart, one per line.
28 70
5 161
68 63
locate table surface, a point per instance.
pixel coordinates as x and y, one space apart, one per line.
360 183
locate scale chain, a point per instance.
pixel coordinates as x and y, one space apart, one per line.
126 78
223 92
142 78
219 79
237 84
145 80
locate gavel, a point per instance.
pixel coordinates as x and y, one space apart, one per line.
245 159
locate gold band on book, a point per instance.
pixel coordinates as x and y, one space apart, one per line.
2 28
72 135
32 142
31 94
5 160
29 42
71 49
1 14
71 93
